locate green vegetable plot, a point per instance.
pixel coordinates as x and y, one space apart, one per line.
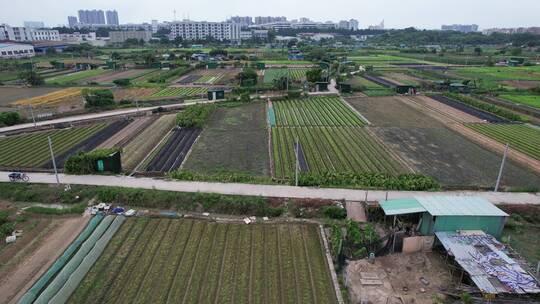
32 150
294 74
180 92
190 261
520 137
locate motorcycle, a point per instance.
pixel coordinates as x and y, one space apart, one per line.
18 176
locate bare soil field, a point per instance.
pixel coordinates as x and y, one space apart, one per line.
235 139
453 113
12 94
436 150
129 132
110 77
19 277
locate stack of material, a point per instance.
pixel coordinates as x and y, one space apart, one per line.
485 260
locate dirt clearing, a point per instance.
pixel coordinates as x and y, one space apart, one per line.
398 278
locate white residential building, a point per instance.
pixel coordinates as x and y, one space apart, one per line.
353 24
14 50
122 36
23 34
155 26
191 30
246 35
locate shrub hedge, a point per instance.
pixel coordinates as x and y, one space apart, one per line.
86 162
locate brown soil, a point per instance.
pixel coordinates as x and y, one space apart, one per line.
15 282
128 132
133 93
522 84
447 110
454 120
11 94
399 279
110 77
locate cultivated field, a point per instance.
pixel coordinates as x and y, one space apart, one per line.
133 93
435 150
530 100
32 149
10 95
235 140
189 261
114 75
140 146
339 149
50 98
179 92
520 137
75 78
319 111
294 74
173 153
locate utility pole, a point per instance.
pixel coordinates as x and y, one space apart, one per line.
297 162
53 160
32 113
502 167
137 104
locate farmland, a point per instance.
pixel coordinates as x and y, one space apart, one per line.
530 100
340 149
295 74
108 78
234 139
74 78
10 95
433 149
319 111
520 137
50 98
370 88
189 261
140 146
32 150
172 154
179 92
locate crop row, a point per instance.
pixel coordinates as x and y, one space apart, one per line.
32 150
185 91
319 111
188 261
50 98
520 137
209 79
140 146
171 156
75 77
294 74
338 149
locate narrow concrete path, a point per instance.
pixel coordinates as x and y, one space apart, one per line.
356 211
93 116
266 190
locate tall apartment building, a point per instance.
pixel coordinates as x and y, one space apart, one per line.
155 26
122 36
464 28
34 24
24 34
517 30
269 19
72 21
242 20
353 24
191 30
348 25
91 17
112 17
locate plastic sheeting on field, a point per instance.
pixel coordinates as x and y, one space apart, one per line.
74 262
78 275
34 291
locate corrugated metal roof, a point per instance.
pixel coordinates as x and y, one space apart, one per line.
401 206
459 206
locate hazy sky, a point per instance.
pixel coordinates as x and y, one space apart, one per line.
396 13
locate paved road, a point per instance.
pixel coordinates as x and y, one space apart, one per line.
264 190
98 115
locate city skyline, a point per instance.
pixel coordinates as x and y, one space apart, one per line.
417 13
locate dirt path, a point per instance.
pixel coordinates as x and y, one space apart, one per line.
355 211
27 272
453 120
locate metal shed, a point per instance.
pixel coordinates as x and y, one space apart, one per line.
450 213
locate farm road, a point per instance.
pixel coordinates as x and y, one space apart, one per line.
99 115
266 190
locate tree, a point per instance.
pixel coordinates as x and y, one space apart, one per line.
10 118
478 51
31 78
282 83
98 98
516 51
115 55
50 51
216 52
248 77
314 75
149 59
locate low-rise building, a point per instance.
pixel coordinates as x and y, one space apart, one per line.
24 34
122 36
16 50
